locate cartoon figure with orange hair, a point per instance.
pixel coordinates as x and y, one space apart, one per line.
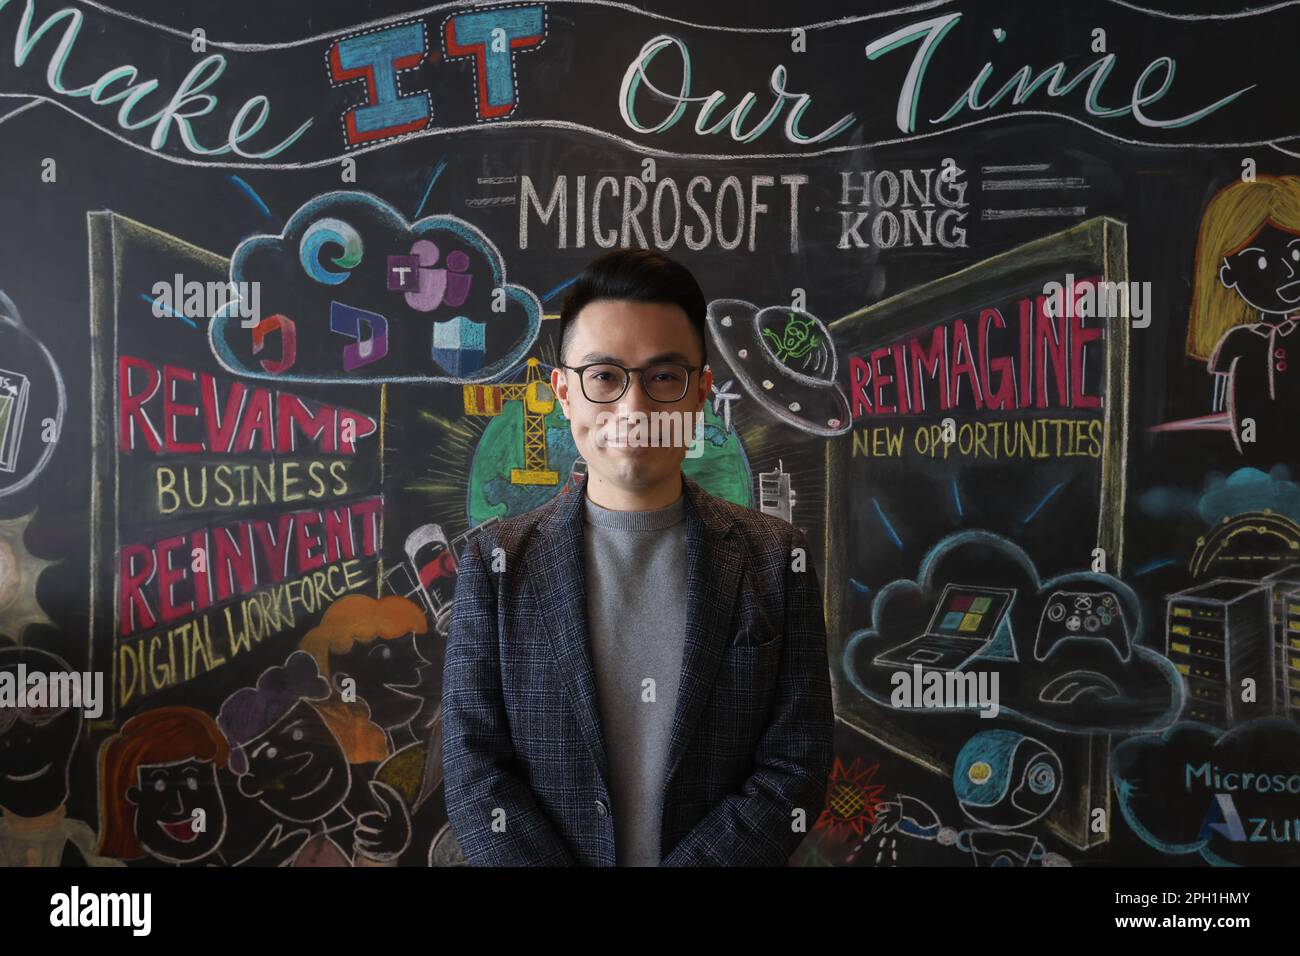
158 787
1245 304
365 647
380 679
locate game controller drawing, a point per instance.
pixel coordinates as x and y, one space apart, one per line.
1084 615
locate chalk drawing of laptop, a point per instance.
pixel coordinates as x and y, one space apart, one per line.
964 622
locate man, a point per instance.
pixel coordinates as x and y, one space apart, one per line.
636 672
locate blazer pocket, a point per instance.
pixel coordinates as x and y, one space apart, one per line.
745 685
755 633
754 659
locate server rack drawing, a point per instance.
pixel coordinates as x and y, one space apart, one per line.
1218 636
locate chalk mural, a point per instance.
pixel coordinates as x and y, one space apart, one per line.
1003 312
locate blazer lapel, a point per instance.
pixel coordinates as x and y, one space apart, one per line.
556 572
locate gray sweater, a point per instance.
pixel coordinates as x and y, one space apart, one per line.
636 619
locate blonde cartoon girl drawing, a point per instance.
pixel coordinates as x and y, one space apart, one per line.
1245 306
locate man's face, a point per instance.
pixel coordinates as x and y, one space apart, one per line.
635 335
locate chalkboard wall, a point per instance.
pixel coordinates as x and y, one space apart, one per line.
1003 307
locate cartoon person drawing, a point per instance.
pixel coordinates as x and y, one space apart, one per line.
288 756
159 793
1245 305
369 651
36 748
366 649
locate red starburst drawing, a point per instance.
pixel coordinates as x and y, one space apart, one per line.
851 798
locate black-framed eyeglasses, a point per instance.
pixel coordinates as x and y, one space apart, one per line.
604 382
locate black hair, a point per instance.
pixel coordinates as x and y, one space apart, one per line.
639 275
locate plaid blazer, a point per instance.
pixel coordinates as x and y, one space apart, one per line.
524 770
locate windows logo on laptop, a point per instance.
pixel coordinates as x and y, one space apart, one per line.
964 622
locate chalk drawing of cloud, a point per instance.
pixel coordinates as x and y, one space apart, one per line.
351 293
1227 796
1094 685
